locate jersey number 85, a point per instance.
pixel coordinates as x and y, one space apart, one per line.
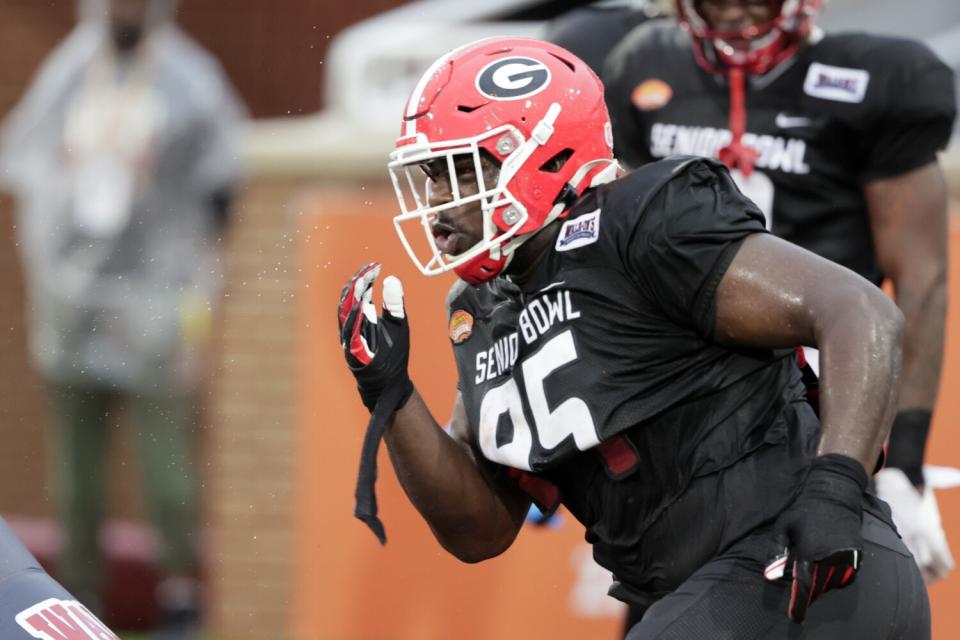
571 417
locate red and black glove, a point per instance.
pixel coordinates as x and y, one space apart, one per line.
377 350
822 530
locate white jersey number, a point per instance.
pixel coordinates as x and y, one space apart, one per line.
570 417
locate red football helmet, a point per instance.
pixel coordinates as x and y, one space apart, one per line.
770 43
530 105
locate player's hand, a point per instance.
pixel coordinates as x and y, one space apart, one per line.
376 348
917 517
822 530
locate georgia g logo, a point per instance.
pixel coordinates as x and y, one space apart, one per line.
513 78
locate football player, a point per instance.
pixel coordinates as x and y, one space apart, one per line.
33 605
625 347
591 31
835 137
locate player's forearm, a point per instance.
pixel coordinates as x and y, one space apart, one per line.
444 483
860 373
923 301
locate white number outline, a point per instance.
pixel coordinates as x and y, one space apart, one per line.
570 417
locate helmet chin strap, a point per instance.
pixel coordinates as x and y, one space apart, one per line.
605 175
539 136
737 155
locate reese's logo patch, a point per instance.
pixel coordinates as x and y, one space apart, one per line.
651 94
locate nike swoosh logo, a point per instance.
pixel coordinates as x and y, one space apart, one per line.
553 285
783 121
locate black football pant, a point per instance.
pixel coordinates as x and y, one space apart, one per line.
729 599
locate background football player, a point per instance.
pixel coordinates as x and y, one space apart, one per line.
33 605
835 137
624 347
591 31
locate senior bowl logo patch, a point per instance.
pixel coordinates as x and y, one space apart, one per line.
461 326
651 94
579 232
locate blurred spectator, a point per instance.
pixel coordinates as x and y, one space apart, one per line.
121 157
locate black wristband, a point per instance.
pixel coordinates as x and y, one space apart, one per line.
908 441
370 394
837 465
827 514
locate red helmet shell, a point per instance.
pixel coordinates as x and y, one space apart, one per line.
513 82
771 42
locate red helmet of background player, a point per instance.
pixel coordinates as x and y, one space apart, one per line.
532 106
770 43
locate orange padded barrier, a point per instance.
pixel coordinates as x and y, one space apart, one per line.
346 586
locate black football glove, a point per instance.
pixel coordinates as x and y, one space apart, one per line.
822 530
377 350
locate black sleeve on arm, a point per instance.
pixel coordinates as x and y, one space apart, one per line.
591 32
619 79
914 113
691 231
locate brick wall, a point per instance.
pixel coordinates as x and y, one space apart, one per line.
274 52
30 29
22 421
274 57
249 499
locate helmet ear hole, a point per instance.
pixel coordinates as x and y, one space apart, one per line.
556 162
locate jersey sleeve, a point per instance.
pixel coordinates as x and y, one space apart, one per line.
688 235
591 32
619 79
911 111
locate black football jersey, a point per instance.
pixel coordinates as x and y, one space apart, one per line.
591 32
844 110
599 374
